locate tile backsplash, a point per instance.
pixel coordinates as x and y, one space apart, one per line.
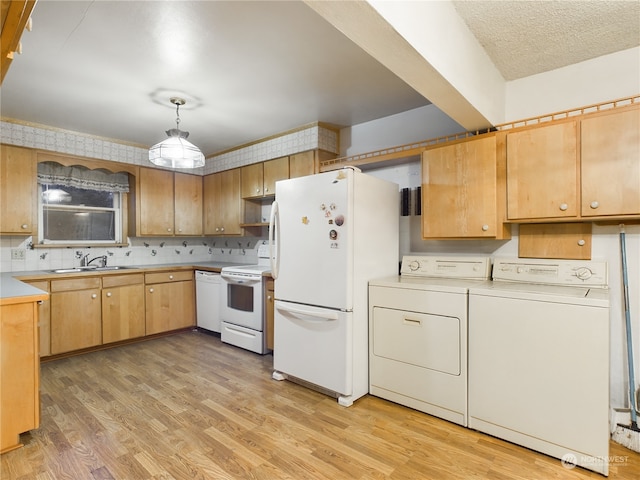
140 251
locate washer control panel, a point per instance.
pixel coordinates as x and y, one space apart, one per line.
551 272
477 268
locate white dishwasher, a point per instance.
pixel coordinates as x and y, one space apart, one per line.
539 358
208 291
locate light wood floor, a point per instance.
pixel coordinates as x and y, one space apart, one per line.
189 407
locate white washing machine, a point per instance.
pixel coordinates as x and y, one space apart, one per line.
418 334
539 358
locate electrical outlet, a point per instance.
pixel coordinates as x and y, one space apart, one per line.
18 253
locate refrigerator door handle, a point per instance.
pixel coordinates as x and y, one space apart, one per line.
320 315
274 232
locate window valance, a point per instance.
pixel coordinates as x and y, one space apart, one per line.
52 173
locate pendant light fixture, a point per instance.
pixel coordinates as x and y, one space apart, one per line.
176 151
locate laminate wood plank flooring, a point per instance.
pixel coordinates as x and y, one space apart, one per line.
188 406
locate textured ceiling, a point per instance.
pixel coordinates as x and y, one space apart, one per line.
524 38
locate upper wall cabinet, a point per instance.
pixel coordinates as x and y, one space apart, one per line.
223 208
610 164
542 172
168 203
188 204
460 196
259 179
18 201
582 169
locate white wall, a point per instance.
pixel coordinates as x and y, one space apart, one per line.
602 79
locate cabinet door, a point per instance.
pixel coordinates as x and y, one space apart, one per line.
44 319
123 314
542 170
252 180
459 190
302 164
169 306
274 170
19 373
155 202
188 204
76 320
610 163
230 202
212 221
17 190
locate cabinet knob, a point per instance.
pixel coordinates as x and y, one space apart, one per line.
485 228
24 226
170 277
266 189
108 294
95 295
268 297
581 243
257 190
180 230
594 204
222 229
563 206
168 229
217 229
151 290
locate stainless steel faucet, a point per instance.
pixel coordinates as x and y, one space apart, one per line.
101 258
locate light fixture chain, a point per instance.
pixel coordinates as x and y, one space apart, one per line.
177 115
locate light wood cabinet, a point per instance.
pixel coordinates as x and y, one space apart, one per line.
170 301
19 371
155 202
44 318
168 203
460 191
303 164
269 305
610 164
259 179
76 314
18 200
123 312
188 204
542 172
223 207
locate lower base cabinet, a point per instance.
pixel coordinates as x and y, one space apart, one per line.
170 301
19 373
76 314
123 313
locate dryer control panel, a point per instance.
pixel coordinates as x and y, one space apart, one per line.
551 272
474 268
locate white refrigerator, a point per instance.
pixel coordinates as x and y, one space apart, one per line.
329 234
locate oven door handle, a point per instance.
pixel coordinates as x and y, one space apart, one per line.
240 280
326 315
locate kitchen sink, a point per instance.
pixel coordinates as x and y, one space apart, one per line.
90 268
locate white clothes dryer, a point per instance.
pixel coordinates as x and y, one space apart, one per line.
418 334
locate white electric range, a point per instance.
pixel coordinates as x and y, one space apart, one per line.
242 312
418 334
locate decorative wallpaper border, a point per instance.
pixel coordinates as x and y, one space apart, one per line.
83 145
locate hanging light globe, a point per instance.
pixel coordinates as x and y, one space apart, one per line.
176 151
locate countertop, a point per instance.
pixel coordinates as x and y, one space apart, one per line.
14 290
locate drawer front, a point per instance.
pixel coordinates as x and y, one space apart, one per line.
109 281
75 284
166 277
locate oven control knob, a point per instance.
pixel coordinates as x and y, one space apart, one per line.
583 273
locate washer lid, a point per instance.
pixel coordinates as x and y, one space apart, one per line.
446 285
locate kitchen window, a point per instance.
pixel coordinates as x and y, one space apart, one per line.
79 206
